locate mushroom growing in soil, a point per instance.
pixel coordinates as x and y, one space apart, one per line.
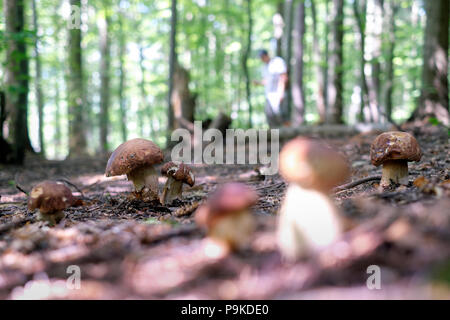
226 215
308 219
393 150
136 158
177 174
50 198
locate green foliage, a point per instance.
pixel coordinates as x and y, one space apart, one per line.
211 41
433 121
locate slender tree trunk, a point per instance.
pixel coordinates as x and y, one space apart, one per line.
172 61
38 80
16 80
373 53
105 62
434 96
335 88
289 14
144 108
360 16
58 134
390 9
279 31
75 91
297 90
321 84
326 55
122 53
245 57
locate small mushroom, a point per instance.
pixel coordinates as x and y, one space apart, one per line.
308 219
226 215
50 198
136 158
393 150
177 174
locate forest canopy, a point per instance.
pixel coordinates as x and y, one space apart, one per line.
86 89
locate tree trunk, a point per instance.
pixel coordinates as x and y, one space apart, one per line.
318 61
434 95
16 80
335 88
75 92
326 55
360 16
390 9
58 134
122 53
373 54
143 108
297 90
183 102
172 61
104 25
38 77
245 57
279 28
289 12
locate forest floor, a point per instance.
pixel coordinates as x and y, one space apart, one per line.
129 249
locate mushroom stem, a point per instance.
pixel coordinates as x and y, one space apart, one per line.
145 181
394 171
234 230
308 221
172 190
52 218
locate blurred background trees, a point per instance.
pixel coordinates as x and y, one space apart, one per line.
71 91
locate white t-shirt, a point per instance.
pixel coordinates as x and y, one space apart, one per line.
271 73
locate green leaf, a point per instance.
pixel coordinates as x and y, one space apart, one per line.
434 121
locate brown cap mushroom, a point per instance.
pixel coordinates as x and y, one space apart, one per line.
312 164
226 214
50 198
136 159
177 174
393 150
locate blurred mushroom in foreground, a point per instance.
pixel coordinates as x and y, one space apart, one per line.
308 218
136 158
177 174
226 215
393 150
50 198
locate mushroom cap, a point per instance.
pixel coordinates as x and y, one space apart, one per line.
232 198
312 164
394 145
179 172
50 196
131 155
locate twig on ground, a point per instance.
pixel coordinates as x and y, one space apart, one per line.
75 187
356 183
176 232
276 185
21 189
187 210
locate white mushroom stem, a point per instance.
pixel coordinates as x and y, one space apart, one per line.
308 221
234 230
52 218
394 171
145 180
173 189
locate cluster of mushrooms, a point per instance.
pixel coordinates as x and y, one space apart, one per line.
308 219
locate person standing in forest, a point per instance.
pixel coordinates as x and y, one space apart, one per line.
275 78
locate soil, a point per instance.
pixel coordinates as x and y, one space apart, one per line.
126 248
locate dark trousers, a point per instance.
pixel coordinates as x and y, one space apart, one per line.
276 120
